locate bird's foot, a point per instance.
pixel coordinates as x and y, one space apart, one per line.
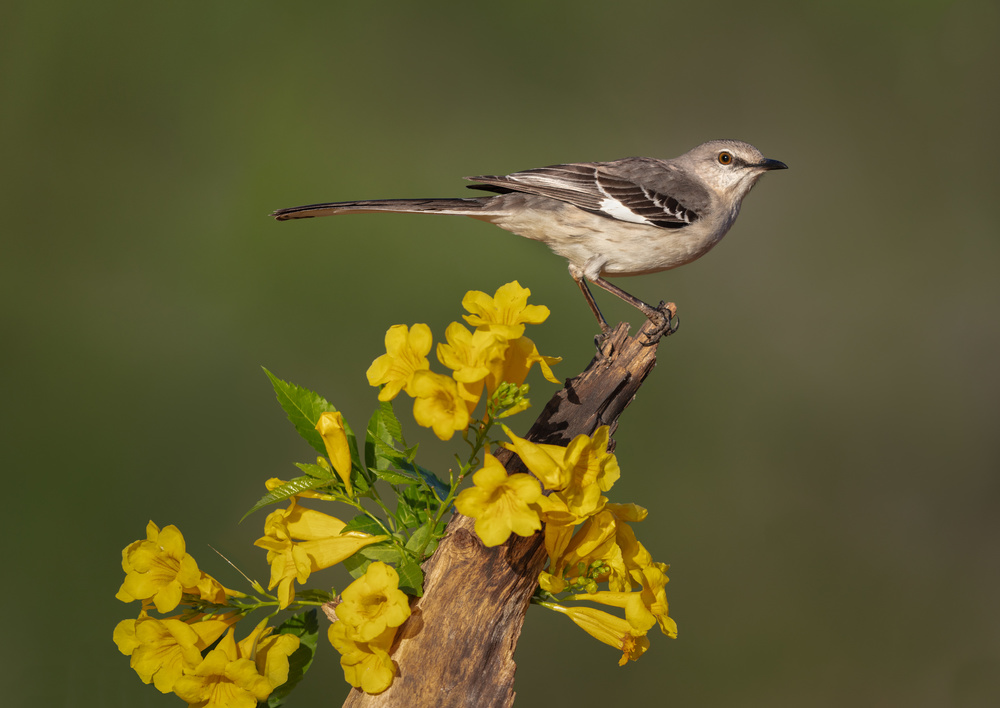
665 322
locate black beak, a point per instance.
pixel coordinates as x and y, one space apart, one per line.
772 165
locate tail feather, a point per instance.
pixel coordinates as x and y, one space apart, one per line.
465 207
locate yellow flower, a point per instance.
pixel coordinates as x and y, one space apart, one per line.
632 513
239 675
518 357
579 472
605 627
501 504
371 610
373 603
124 635
506 312
159 569
643 608
161 650
300 541
582 469
634 555
331 428
366 665
594 464
547 462
595 540
471 356
438 405
406 353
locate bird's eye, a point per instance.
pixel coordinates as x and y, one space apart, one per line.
725 158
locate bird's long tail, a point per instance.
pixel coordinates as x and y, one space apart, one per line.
465 207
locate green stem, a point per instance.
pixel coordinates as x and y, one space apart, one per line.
357 505
482 437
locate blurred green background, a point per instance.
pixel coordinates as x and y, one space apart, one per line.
818 446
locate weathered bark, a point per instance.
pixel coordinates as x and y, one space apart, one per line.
457 647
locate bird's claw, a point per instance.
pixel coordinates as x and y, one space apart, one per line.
665 321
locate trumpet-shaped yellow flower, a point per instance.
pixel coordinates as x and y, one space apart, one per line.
634 555
643 608
373 603
579 472
500 503
594 540
238 675
162 649
506 312
159 569
518 357
331 429
300 541
471 356
631 513
366 665
560 521
371 610
438 405
605 627
406 352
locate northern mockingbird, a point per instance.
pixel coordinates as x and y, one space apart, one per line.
628 217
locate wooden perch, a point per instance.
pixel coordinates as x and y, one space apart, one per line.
457 648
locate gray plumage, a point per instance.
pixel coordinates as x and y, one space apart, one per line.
628 217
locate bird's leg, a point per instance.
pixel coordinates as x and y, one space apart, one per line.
582 282
605 328
664 316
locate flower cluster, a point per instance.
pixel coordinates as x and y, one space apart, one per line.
189 647
370 612
172 652
495 352
589 540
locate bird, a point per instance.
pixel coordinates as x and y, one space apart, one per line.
627 217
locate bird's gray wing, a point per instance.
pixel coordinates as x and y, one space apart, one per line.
638 190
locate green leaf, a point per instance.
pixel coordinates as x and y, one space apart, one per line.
378 440
394 477
365 524
411 578
420 537
413 504
304 408
390 421
385 552
288 489
314 595
430 479
356 565
317 471
361 486
304 626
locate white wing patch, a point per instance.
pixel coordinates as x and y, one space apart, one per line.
613 207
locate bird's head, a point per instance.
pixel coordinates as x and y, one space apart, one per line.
729 166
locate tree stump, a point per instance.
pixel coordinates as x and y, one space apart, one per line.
457 648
